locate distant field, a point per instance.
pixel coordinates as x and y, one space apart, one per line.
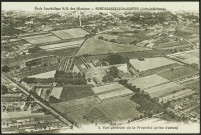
126 39
70 33
187 57
59 46
173 44
41 38
107 36
178 73
163 40
96 46
163 90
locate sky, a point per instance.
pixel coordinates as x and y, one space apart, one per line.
172 6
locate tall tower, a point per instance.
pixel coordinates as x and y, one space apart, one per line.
79 15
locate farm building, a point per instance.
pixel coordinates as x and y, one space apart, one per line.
110 91
150 63
100 72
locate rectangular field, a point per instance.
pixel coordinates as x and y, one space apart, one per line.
179 94
178 73
122 109
107 87
41 38
163 90
173 44
150 63
122 92
188 57
70 33
148 81
59 46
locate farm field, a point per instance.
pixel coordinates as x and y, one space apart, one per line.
49 74
188 57
150 63
179 94
164 89
107 88
173 44
41 38
112 90
147 81
75 105
178 73
159 69
59 46
71 92
95 46
70 33
107 36
122 109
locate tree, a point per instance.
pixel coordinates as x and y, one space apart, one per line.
4 89
113 71
6 68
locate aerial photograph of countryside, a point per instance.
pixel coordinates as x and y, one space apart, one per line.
98 67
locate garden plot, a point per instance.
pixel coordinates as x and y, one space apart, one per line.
38 39
178 73
179 94
148 81
70 33
59 46
162 90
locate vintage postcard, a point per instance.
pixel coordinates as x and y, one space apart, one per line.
100 67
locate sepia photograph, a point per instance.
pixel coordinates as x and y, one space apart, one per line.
100 67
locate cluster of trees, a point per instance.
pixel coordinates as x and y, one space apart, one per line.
111 74
53 99
68 75
59 80
72 81
125 83
114 59
6 69
148 105
38 80
4 89
34 49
